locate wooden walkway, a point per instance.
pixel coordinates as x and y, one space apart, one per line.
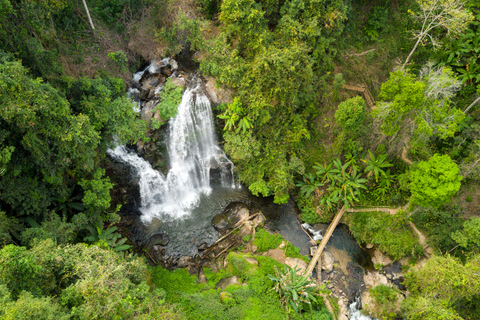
364 90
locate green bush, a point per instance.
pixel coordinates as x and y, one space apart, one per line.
378 228
351 114
170 99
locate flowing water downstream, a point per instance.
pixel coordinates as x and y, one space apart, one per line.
200 184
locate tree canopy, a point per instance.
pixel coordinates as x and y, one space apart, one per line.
435 181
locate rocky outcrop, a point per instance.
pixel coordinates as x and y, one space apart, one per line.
298 263
233 214
328 261
225 282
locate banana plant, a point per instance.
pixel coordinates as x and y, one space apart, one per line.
375 165
309 185
108 236
324 172
294 290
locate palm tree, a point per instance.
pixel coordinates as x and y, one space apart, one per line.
375 165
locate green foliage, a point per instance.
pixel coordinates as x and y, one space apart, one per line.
8 227
27 306
120 59
266 241
295 291
107 236
375 165
469 237
378 227
351 114
439 225
273 55
422 105
385 302
56 228
170 99
435 181
88 282
439 285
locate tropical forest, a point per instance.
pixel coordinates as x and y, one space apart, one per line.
240 159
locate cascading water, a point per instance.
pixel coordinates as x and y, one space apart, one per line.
192 151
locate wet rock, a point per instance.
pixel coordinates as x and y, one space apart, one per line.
373 279
147 111
259 221
379 258
173 64
328 261
220 222
202 247
225 282
178 81
234 213
276 254
296 262
159 239
184 261
247 229
217 95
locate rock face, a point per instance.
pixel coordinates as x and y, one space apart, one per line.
217 95
259 221
276 254
328 261
380 258
296 262
225 282
234 213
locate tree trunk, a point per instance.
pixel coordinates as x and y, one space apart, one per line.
324 242
471 105
411 52
88 14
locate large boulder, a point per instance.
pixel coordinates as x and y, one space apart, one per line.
276 254
296 262
225 282
328 261
380 259
160 239
233 213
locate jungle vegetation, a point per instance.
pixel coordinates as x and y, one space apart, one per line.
409 138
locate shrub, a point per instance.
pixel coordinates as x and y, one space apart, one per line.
351 114
170 99
378 227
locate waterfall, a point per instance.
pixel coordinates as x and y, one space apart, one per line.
192 151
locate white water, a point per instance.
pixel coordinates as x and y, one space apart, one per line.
316 234
193 152
355 312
